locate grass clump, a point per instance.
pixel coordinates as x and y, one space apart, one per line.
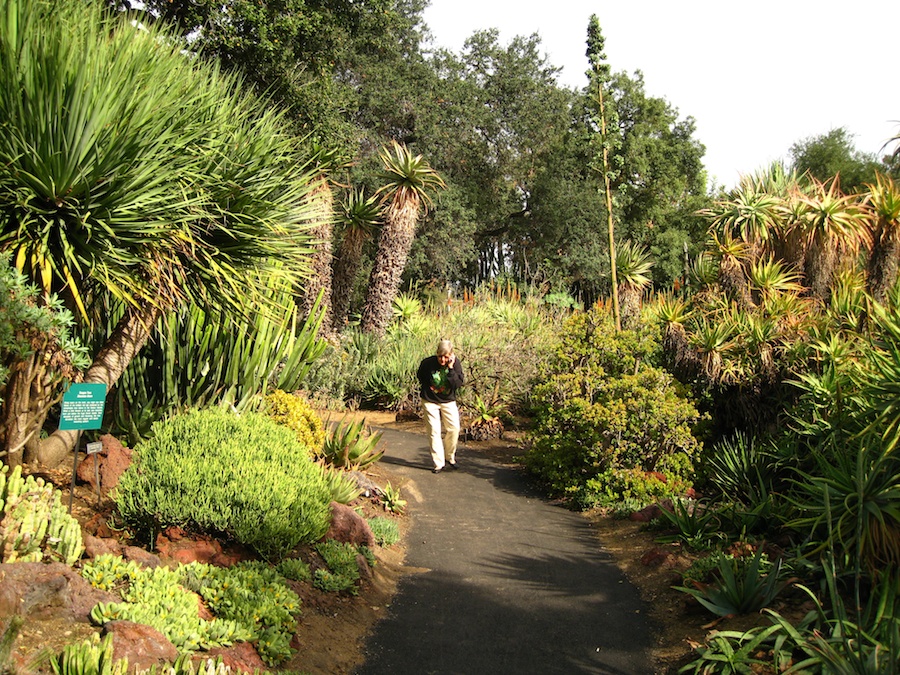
245 476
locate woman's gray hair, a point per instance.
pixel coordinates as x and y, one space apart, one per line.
444 347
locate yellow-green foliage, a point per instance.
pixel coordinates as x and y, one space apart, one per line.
245 476
34 525
154 597
296 414
251 601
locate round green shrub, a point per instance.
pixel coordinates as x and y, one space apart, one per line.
214 471
297 415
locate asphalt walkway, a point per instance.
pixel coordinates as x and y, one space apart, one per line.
507 582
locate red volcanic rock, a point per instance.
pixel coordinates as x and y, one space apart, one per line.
38 590
113 460
141 557
349 527
143 646
97 546
240 657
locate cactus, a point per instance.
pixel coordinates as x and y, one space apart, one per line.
33 523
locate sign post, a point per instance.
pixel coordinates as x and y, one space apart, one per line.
82 408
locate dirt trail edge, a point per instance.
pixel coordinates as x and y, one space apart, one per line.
503 581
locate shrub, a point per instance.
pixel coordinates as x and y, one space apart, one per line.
296 414
588 424
255 597
343 569
244 476
635 486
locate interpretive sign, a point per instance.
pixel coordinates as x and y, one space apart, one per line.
82 407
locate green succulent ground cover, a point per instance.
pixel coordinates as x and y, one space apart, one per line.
241 475
251 602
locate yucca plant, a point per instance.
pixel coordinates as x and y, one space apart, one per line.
360 216
742 470
128 169
851 504
770 278
712 342
732 254
352 445
703 271
673 312
406 306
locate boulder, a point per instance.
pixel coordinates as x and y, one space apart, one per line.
141 557
97 546
113 460
143 646
349 527
38 590
240 657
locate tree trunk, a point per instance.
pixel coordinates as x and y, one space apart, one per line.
322 201
346 265
30 393
393 248
126 340
630 306
821 260
883 264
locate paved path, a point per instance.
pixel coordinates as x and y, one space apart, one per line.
509 582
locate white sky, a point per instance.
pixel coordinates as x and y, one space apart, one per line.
757 77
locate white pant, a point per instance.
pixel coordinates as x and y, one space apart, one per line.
443 445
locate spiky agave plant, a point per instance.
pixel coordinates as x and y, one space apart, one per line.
634 263
713 341
674 312
732 253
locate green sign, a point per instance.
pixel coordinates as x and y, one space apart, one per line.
82 407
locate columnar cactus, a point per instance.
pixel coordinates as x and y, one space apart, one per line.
33 522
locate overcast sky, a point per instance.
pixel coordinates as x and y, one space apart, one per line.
757 77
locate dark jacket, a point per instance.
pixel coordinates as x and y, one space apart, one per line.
439 383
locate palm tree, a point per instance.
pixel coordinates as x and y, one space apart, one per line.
634 264
884 205
132 172
360 216
834 225
409 180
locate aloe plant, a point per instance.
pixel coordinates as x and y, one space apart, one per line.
742 588
352 445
